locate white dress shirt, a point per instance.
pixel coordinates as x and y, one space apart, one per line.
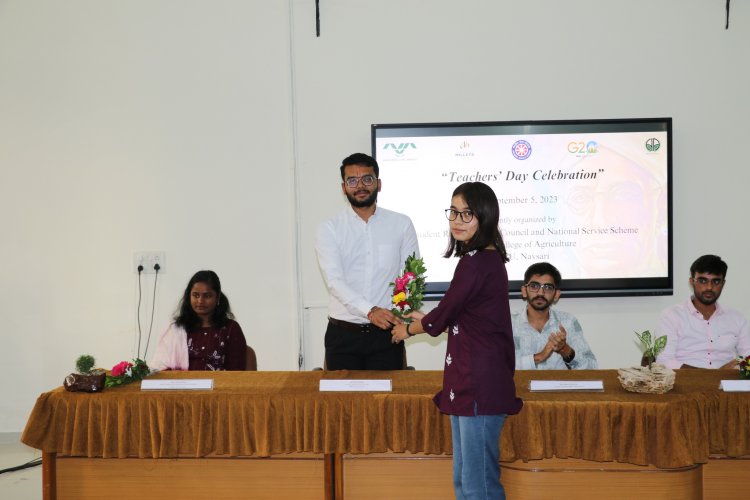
359 259
703 343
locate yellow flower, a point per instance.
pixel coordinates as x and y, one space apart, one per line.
399 297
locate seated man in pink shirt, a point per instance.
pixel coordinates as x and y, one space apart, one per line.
701 333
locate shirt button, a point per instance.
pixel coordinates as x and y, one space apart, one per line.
205 333
203 348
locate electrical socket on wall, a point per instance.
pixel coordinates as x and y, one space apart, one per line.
148 260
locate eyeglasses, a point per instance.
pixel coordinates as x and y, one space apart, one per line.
352 182
705 281
466 216
534 286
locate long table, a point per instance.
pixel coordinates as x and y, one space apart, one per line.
274 435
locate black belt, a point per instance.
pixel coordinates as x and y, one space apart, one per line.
356 327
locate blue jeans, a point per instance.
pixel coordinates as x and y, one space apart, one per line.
476 457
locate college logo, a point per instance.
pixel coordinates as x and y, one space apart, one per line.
579 148
521 150
464 150
399 149
653 145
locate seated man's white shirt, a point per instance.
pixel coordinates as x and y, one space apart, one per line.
703 343
359 259
528 341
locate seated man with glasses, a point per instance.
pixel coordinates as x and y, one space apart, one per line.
701 333
360 251
545 338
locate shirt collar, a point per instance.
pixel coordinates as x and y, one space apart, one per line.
525 315
691 307
354 214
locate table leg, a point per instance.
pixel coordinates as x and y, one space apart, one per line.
49 476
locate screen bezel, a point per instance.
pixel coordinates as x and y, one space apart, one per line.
609 287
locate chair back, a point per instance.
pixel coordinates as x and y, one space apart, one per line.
251 362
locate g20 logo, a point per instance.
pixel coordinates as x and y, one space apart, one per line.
581 148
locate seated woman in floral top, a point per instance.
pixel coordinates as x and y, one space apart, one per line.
204 334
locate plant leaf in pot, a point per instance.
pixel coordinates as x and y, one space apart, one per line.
87 378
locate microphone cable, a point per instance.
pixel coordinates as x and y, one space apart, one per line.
153 306
31 463
138 310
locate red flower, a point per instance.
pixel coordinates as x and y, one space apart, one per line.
119 368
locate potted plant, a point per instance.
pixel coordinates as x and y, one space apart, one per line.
86 378
650 377
651 349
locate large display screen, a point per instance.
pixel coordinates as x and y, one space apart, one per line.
592 197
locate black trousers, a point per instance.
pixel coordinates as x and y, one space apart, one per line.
350 347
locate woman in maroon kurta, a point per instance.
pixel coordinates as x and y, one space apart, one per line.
204 335
478 388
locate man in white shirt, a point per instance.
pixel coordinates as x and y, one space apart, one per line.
545 338
701 333
360 251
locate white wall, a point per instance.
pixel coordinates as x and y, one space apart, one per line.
213 131
140 125
440 60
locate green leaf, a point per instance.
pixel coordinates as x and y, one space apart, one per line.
646 339
659 345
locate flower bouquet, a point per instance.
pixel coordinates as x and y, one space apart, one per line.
408 289
744 366
126 372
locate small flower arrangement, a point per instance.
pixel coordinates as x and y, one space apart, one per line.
408 289
744 366
126 372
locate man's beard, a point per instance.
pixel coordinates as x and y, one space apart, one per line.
367 202
707 301
540 308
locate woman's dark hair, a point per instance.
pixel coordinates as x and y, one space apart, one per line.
482 202
186 317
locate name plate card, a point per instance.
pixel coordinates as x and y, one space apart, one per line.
566 385
184 384
355 385
735 385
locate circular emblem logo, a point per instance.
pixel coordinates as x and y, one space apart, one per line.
521 150
653 145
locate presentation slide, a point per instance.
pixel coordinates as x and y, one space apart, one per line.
593 204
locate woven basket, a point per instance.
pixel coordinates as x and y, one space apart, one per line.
656 380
